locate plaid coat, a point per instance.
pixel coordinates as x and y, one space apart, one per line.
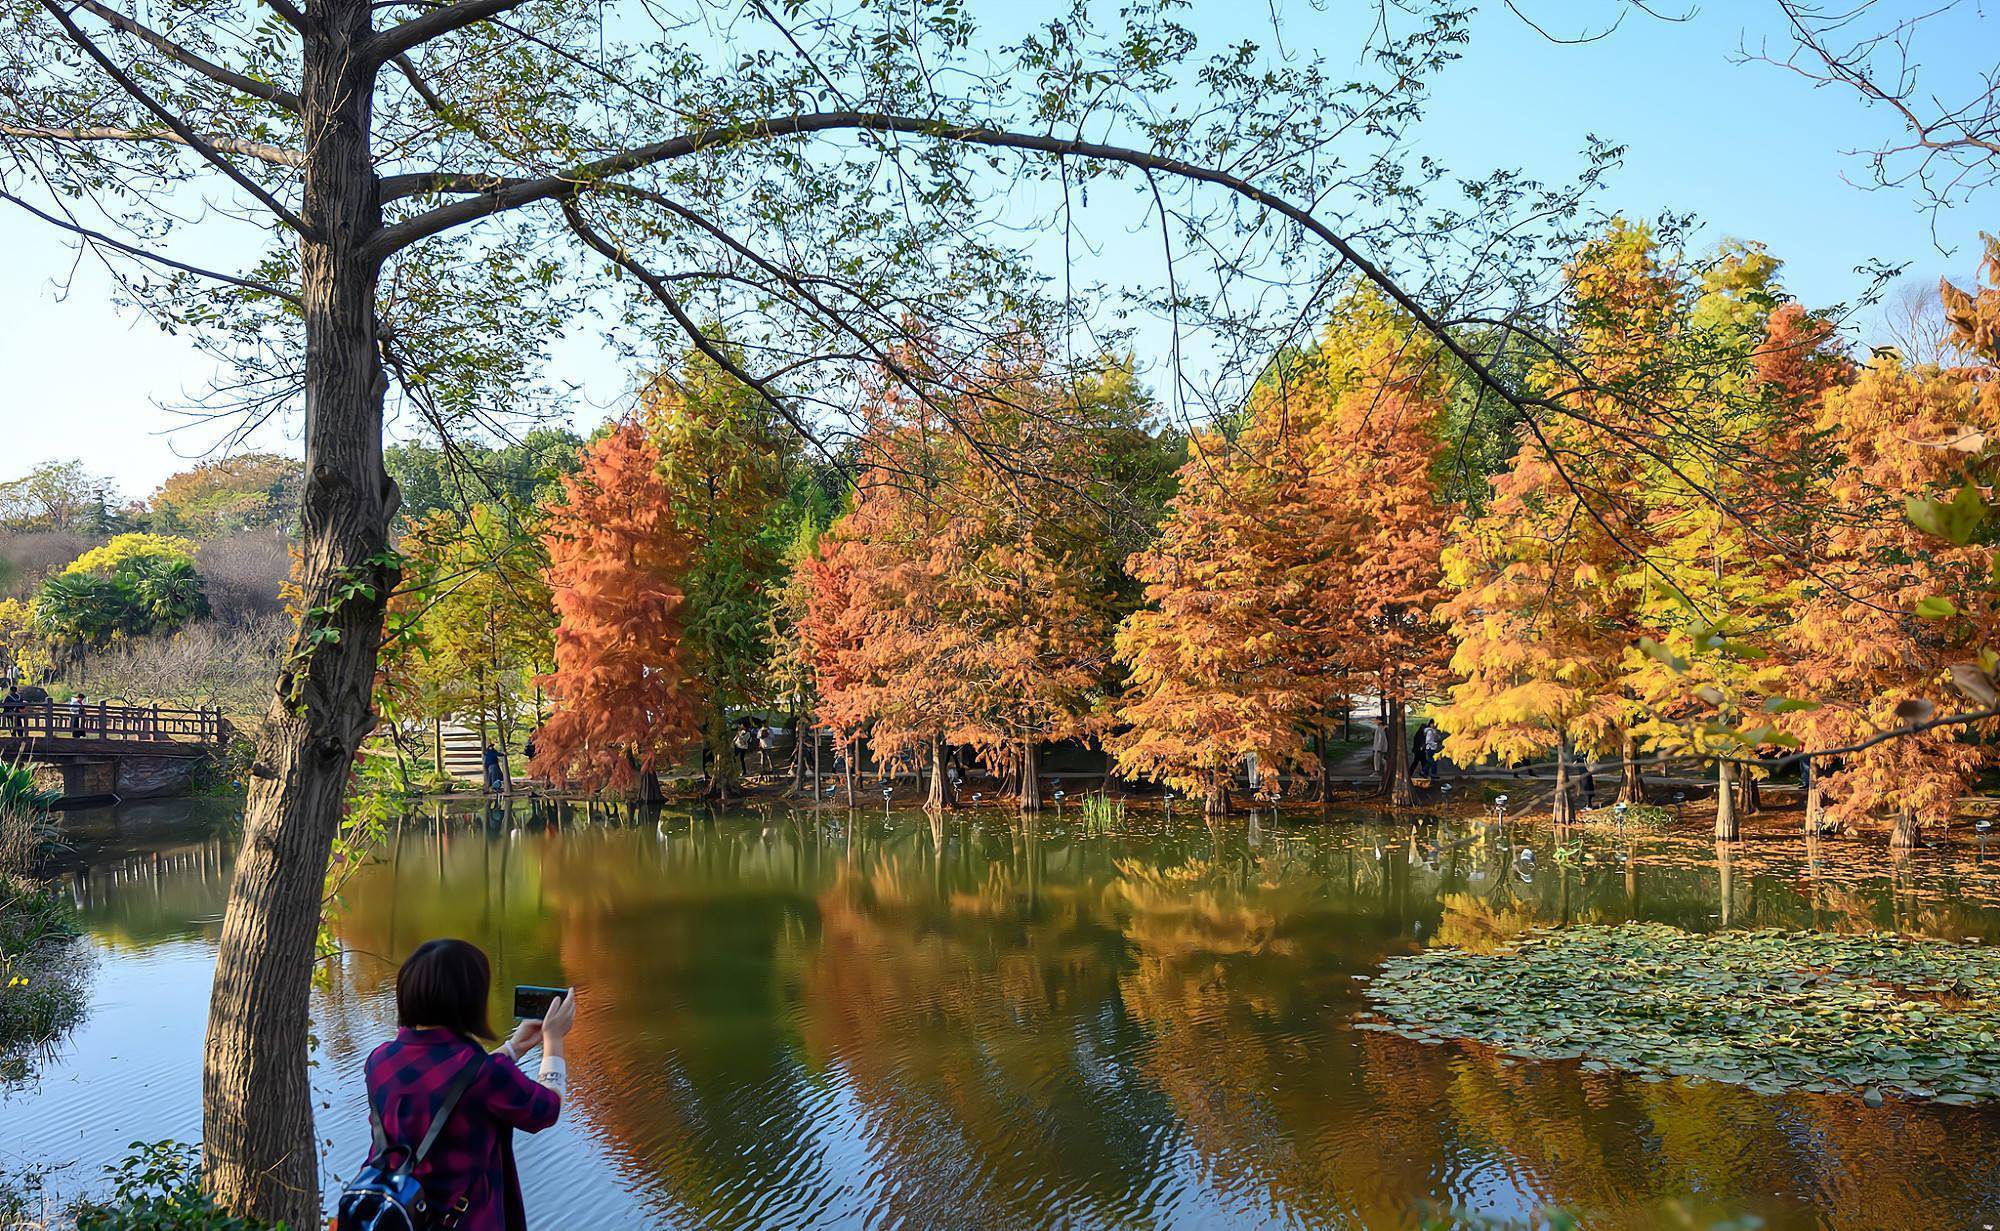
474 1155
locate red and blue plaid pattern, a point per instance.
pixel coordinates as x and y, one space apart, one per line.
474 1155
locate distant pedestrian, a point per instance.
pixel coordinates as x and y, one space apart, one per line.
76 716
1379 750
1589 787
742 742
767 745
496 772
11 706
1427 743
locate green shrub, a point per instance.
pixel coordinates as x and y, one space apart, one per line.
158 1188
42 974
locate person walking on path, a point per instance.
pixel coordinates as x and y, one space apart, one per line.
76 716
469 1175
1429 741
1378 751
496 771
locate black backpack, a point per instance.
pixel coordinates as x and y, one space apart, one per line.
386 1198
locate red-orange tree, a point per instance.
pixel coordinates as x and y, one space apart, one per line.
1299 564
624 704
956 601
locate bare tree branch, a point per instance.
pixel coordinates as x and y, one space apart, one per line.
272 154
174 51
172 121
99 237
417 31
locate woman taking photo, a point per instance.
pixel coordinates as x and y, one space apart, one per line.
468 1176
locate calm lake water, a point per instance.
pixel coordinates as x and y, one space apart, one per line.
805 1019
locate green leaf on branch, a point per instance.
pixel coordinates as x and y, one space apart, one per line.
1936 607
1653 649
1955 521
1787 705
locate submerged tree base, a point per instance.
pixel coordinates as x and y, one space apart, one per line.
1771 1010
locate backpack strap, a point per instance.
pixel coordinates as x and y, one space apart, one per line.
460 1082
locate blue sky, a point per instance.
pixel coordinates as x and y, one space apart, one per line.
1752 150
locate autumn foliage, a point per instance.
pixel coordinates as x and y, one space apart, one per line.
1718 544
624 704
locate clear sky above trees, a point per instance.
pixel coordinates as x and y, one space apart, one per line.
1669 90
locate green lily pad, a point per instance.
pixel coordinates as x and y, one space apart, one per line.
1772 1011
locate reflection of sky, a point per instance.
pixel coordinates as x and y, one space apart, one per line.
784 1029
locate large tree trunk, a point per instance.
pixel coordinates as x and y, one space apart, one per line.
1815 809
1215 799
258 1155
1631 775
940 794
1563 810
725 770
1397 767
1031 777
1749 800
1905 836
1726 828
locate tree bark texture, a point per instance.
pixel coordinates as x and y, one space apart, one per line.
258 1157
1397 762
1726 827
1631 775
1563 809
940 794
1905 836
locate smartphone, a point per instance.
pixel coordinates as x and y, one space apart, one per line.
531 1003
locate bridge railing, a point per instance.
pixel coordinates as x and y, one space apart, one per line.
102 721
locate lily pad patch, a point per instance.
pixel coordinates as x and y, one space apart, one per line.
1774 1011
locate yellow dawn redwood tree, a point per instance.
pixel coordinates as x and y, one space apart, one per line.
1376 449
1541 614
1716 584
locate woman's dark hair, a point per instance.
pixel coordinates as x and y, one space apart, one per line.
444 983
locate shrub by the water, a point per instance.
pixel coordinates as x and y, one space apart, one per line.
1770 1010
42 965
158 1188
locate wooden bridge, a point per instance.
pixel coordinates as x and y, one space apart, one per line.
111 751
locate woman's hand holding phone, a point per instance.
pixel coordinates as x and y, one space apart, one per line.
523 1040
560 1017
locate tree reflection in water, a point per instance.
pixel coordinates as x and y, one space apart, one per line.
824 1018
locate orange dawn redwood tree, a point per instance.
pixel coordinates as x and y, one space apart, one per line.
1386 521
1909 596
1299 563
1222 660
949 605
623 703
